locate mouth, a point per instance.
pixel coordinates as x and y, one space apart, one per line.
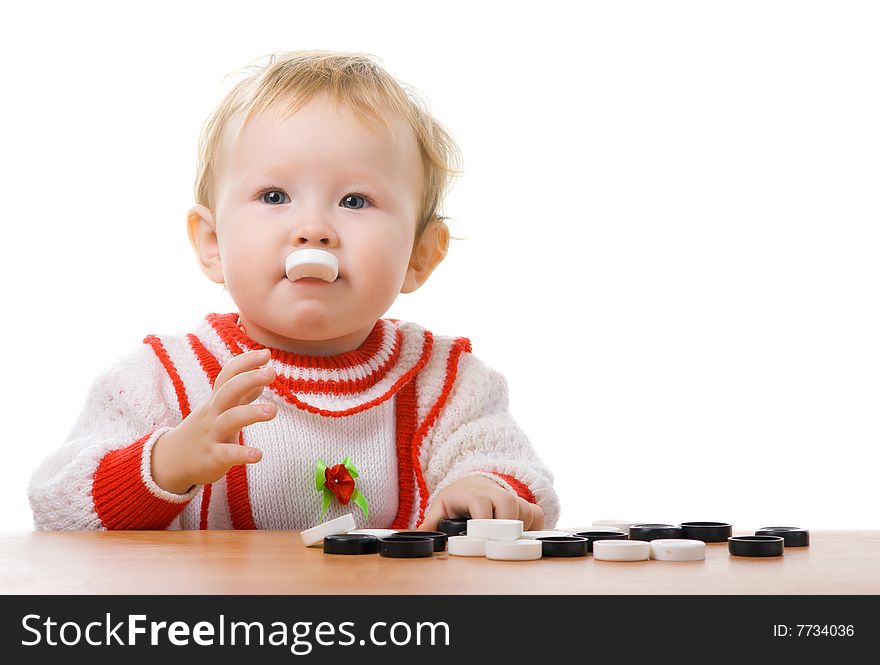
313 281
311 264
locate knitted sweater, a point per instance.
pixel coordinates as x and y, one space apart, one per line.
414 411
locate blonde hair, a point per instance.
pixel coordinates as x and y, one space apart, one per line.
353 79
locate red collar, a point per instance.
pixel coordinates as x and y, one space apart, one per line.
345 373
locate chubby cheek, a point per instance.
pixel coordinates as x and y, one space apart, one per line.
381 266
247 262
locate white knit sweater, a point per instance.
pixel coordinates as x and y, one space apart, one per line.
414 411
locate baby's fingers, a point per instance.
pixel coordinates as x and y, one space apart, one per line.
531 515
241 363
433 517
230 422
479 507
253 394
228 455
242 386
505 505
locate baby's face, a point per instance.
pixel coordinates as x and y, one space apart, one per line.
320 179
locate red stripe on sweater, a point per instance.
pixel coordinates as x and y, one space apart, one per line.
427 345
122 501
206 359
185 410
237 342
176 381
286 385
520 488
459 346
237 496
206 504
406 409
211 368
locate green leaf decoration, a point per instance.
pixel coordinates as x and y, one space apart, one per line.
361 502
320 478
348 464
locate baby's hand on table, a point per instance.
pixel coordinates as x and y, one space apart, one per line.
203 447
481 498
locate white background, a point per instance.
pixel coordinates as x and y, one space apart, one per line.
670 212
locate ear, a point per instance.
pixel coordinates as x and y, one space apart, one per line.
428 252
202 230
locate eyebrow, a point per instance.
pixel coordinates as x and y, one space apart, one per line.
279 173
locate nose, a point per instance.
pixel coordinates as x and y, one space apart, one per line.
313 234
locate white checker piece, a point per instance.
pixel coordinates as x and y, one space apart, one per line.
621 550
514 550
534 535
379 533
315 535
678 549
495 529
610 529
311 263
466 546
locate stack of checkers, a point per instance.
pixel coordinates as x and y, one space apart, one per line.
505 540
339 536
769 541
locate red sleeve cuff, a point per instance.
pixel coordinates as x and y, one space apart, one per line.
123 497
522 490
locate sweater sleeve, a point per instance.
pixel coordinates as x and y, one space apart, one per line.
100 477
476 434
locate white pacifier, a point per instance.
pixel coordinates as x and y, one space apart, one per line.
311 263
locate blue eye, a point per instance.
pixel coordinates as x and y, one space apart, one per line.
271 196
355 196
353 201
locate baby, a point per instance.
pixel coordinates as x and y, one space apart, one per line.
304 404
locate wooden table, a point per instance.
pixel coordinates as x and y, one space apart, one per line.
276 562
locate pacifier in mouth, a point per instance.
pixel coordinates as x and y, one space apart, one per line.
311 263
